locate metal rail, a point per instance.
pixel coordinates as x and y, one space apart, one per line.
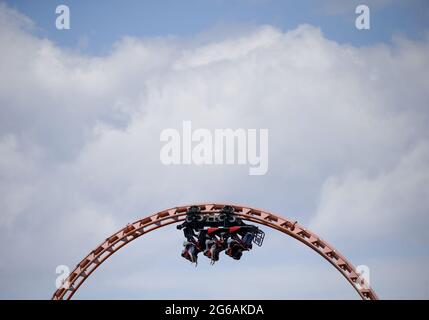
164 218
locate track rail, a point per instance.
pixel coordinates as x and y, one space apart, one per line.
170 216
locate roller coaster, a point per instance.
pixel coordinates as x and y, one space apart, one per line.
217 222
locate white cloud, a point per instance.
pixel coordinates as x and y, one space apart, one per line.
80 143
392 203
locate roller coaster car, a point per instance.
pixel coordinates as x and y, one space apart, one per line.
217 231
248 233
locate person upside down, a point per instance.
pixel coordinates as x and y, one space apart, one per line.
212 241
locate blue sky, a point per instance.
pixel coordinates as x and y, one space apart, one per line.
96 25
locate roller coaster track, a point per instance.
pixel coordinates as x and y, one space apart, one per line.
178 214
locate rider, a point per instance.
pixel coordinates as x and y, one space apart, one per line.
229 232
215 243
247 240
240 240
192 244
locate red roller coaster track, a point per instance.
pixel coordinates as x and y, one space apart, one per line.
161 219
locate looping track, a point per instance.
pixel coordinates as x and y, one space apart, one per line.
161 219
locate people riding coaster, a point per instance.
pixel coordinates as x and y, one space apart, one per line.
215 243
214 234
194 242
239 241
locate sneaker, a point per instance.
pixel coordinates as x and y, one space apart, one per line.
185 254
193 257
215 254
208 253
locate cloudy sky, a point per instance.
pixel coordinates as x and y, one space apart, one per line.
81 112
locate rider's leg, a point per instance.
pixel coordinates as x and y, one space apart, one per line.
185 251
190 251
192 254
247 240
231 245
208 245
